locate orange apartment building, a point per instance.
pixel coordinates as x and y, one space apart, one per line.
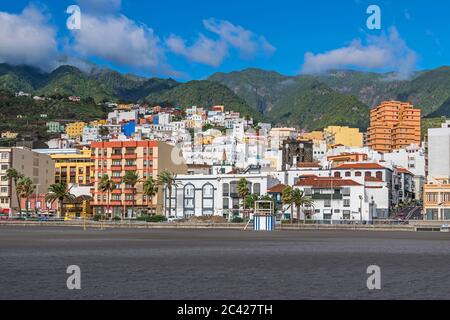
147 158
394 125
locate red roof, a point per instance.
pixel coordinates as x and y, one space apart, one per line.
403 170
347 166
308 165
279 188
326 182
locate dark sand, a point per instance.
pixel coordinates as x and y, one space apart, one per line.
221 264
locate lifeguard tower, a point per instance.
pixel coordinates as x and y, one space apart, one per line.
263 216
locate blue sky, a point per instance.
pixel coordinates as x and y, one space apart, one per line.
193 39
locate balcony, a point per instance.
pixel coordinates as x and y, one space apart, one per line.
130 168
116 168
130 156
319 196
116 156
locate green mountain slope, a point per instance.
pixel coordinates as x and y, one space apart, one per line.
316 106
203 94
303 101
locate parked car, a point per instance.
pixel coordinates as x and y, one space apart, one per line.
173 219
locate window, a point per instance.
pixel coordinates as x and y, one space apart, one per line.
226 203
189 190
337 174
327 203
4 167
4 189
358 174
257 189
348 173
226 190
346 191
208 191
368 174
346 203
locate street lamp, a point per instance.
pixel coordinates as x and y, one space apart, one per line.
360 208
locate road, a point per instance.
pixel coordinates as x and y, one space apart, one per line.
221 264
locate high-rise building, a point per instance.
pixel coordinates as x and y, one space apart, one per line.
146 158
39 167
394 125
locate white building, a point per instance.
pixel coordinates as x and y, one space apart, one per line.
203 195
336 200
439 148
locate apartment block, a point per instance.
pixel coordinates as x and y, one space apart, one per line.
345 136
75 130
39 167
147 158
394 125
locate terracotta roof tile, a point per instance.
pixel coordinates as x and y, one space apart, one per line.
347 166
326 182
279 188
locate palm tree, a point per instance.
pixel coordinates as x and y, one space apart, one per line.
301 200
287 199
150 188
243 190
25 188
131 178
15 176
59 192
107 185
167 179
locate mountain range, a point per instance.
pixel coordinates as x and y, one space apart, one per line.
309 101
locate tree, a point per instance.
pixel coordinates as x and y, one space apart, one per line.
301 200
250 200
287 199
131 178
14 175
107 185
103 132
150 188
243 190
25 189
167 179
59 192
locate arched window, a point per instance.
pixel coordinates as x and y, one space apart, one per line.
189 200
358 174
208 199
337 174
379 175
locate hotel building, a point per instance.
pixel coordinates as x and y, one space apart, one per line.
114 159
394 125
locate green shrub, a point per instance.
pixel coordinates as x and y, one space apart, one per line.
98 217
154 219
237 220
116 218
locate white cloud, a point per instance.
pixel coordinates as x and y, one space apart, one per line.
384 52
119 40
212 52
27 38
204 50
244 40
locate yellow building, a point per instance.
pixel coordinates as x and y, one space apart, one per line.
436 200
346 136
315 136
73 168
75 129
9 135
